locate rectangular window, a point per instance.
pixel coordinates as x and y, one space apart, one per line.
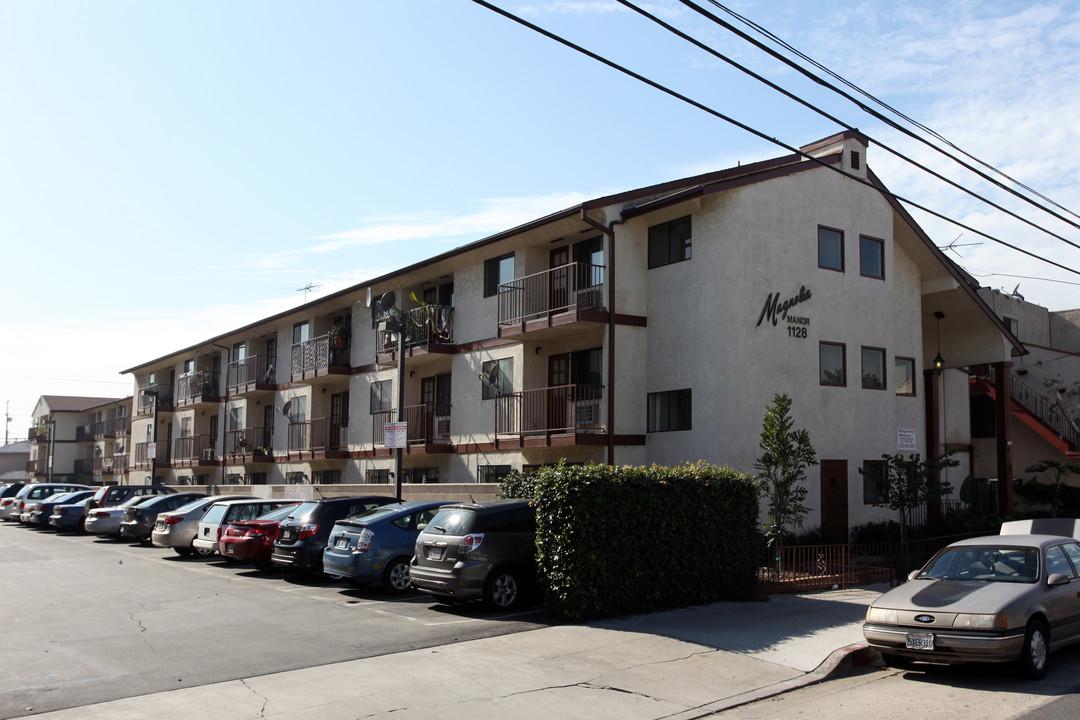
498 378
492 473
872 257
875 482
873 368
670 411
376 476
295 478
833 364
422 475
236 418
327 477
380 395
1012 325
496 272
669 242
301 332
830 249
905 376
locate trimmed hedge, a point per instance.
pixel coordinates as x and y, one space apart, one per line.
619 540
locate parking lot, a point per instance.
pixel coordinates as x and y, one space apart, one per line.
84 619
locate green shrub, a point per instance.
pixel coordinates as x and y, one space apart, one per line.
619 540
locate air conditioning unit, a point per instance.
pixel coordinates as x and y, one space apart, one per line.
589 299
442 427
586 415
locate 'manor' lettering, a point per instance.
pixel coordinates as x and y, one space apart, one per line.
774 310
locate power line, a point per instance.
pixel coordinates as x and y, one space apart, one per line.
760 134
1025 277
841 123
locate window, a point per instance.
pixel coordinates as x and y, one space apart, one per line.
295 478
236 418
983 417
905 376
670 411
830 249
301 332
669 242
492 473
375 476
873 368
258 478
498 378
872 257
833 364
496 272
239 352
327 477
875 482
1012 325
856 159
422 475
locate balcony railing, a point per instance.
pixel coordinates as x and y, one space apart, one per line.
84 466
194 450
35 467
318 435
197 386
315 358
38 435
425 327
142 455
567 288
255 372
115 465
428 424
164 398
84 433
566 409
252 442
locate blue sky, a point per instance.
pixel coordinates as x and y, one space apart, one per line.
171 170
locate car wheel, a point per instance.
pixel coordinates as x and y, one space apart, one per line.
1035 656
396 576
502 590
201 552
184 552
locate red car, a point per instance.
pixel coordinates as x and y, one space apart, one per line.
253 539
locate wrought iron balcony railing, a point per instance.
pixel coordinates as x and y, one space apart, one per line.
427 424
576 286
566 409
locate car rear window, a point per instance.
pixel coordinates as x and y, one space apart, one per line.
305 510
215 513
279 514
456 521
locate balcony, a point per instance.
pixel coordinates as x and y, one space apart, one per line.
316 358
38 434
194 451
249 445
36 468
84 433
321 437
158 394
252 374
115 465
198 386
142 456
559 296
428 427
428 329
563 415
84 466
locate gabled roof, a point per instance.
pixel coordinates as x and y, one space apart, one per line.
15 448
71 403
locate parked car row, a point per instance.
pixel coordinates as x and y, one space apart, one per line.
452 551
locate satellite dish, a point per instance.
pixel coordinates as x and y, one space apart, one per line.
286 407
387 301
367 299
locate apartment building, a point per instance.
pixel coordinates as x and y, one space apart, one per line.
652 326
81 439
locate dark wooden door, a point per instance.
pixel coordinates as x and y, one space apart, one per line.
559 288
834 498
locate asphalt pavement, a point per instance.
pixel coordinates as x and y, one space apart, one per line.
676 665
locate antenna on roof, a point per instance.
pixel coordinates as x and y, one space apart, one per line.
953 245
310 287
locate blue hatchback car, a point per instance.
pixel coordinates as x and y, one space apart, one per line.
377 547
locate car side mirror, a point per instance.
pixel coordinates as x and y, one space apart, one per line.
1057 579
913 574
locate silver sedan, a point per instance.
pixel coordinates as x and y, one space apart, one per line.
1001 598
106 521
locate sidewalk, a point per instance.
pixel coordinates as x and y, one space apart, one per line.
676 665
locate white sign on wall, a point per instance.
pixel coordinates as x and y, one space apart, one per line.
151 451
905 439
396 434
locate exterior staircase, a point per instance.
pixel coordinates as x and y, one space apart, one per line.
1035 410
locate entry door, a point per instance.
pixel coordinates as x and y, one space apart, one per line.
559 289
834 497
339 420
558 399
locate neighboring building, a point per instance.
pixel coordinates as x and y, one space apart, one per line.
13 461
652 326
82 439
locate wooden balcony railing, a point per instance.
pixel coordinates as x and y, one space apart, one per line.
255 372
249 442
194 450
567 288
318 435
428 424
566 409
198 386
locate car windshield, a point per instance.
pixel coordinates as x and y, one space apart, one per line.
303 511
987 563
451 522
62 497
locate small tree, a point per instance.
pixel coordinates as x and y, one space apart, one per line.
910 483
786 452
1057 471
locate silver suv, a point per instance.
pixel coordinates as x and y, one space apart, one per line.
483 550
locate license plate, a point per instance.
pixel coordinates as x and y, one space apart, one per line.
160 525
920 641
342 543
434 553
286 534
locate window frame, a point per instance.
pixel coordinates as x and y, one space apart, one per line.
506 373
665 419
492 473
386 403
880 482
896 364
884 369
493 276
843 364
881 246
654 240
843 266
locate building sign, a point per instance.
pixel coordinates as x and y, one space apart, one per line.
905 439
775 311
151 451
396 434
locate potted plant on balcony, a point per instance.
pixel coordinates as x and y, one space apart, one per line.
262 451
339 335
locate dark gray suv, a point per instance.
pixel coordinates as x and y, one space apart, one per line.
483 550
